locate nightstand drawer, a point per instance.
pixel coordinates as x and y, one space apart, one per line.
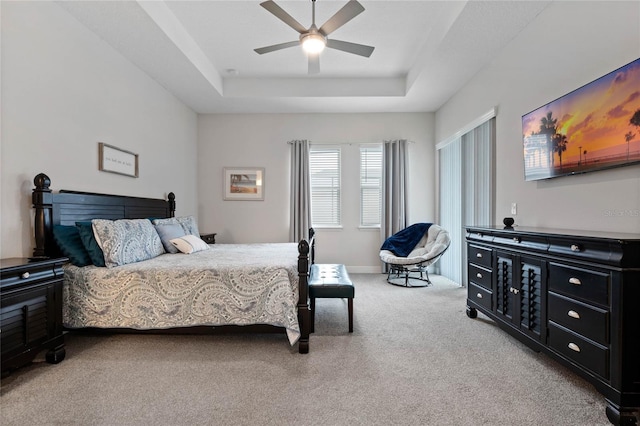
28 275
481 296
589 286
585 353
208 238
589 321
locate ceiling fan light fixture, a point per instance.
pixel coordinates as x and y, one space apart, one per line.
313 43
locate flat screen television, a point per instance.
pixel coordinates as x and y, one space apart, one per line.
592 128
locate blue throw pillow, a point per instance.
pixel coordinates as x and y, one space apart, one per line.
68 240
90 244
167 233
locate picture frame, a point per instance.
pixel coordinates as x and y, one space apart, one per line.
243 183
116 160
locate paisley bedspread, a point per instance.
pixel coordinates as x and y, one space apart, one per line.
230 284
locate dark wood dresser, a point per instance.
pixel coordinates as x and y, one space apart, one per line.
30 311
573 295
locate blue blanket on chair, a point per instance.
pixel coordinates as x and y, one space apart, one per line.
402 242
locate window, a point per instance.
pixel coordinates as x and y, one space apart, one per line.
324 168
370 184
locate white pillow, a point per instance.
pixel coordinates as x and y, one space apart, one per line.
189 244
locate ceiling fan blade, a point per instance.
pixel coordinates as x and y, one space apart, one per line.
275 47
344 15
314 63
345 46
280 13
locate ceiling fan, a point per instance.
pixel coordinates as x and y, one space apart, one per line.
314 39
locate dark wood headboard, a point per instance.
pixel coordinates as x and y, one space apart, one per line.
67 207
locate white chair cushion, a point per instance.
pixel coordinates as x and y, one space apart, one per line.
435 241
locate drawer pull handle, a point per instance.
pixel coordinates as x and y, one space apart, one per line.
575 247
479 255
479 275
574 347
574 280
479 296
25 275
573 314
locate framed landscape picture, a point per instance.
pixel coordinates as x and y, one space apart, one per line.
243 183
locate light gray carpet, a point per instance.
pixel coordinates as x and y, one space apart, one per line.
414 358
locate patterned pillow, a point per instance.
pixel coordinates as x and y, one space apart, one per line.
70 243
189 244
168 233
126 241
188 223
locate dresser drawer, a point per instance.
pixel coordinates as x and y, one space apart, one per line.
589 321
480 256
481 276
480 296
522 241
584 352
598 251
583 284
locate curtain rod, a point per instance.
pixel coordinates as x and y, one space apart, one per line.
346 143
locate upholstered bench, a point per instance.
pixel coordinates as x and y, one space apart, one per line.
330 281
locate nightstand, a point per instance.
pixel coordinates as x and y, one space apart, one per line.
208 238
30 311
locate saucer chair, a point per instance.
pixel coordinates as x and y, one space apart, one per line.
403 269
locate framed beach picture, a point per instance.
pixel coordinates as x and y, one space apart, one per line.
243 183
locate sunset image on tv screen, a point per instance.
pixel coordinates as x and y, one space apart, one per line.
594 127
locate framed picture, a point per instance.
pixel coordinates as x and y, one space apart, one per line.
116 160
243 183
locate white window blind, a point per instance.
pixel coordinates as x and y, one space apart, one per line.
370 185
324 168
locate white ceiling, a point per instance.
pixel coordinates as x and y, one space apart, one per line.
202 51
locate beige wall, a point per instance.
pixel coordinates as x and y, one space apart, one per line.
63 91
260 140
567 46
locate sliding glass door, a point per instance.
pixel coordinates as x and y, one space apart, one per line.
465 190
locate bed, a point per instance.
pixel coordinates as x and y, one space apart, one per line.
223 288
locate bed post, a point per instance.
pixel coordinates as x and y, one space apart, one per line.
304 315
172 204
42 199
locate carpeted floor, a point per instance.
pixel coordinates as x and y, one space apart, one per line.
414 358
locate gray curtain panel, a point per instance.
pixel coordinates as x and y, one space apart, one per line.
395 202
300 215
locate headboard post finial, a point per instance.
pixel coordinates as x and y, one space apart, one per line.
43 203
172 204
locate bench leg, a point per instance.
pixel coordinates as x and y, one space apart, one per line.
350 315
313 315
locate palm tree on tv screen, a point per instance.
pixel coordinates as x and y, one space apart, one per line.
629 137
635 119
548 126
560 145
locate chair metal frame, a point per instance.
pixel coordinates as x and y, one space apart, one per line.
404 271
